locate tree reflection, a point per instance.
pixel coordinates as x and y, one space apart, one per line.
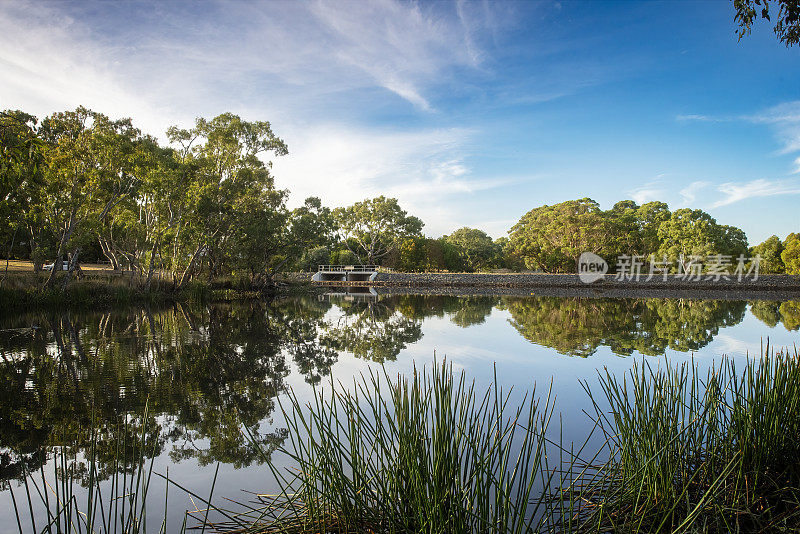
373 329
578 326
771 312
205 373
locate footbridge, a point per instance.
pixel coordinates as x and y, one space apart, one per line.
345 273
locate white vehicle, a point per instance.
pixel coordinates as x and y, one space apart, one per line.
64 266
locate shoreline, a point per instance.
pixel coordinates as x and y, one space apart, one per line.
766 287
768 282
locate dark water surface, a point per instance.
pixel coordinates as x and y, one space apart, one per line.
205 372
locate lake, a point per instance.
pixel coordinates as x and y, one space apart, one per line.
206 371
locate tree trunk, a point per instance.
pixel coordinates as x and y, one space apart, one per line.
8 256
73 261
189 267
65 235
107 248
151 268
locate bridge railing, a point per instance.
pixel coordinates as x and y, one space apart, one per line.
348 268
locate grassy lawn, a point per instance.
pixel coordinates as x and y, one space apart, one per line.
24 266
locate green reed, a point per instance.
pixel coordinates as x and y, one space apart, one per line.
80 494
686 450
426 453
714 452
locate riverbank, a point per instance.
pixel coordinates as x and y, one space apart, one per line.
102 290
765 283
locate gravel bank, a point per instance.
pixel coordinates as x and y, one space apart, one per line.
763 282
764 287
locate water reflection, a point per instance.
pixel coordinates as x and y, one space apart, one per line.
772 312
579 326
205 372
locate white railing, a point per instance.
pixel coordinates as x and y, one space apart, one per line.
348 268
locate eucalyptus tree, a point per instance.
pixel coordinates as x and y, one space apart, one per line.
230 194
551 238
769 251
791 253
312 229
372 228
787 18
476 247
635 228
690 232
89 164
21 181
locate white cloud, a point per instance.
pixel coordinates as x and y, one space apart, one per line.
731 346
785 118
645 195
699 118
423 169
689 193
735 192
302 65
279 56
47 65
649 191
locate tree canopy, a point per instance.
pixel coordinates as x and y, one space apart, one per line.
787 18
551 238
372 228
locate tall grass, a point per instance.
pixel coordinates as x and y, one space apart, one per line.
715 452
685 451
426 453
69 497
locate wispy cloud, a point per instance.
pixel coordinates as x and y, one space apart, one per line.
700 118
424 169
315 69
689 193
645 195
783 118
736 192
652 190
306 53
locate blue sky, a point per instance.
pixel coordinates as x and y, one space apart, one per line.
471 113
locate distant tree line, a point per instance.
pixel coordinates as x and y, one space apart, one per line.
79 186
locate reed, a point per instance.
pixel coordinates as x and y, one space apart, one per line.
69 497
714 452
685 450
427 453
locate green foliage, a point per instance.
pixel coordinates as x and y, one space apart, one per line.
422 254
695 233
691 452
375 226
477 248
787 21
791 254
84 182
770 253
551 238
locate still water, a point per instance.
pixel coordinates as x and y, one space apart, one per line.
205 372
